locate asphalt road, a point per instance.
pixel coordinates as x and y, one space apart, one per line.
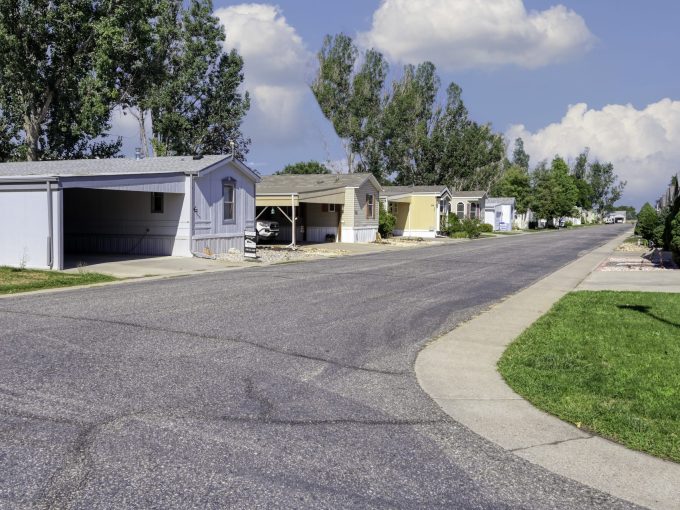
288 386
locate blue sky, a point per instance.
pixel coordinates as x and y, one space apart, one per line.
563 75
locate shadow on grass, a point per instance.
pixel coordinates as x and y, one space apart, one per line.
646 310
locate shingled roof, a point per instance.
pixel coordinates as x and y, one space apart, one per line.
391 191
291 183
111 166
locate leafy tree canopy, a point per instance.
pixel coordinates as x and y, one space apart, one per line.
515 182
303 168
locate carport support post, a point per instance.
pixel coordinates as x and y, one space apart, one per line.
292 203
50 227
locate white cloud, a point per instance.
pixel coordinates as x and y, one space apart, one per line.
276 67
459 34
642 144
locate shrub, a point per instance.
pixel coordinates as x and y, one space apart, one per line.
386 222
568 224
453 225
675 238
458 235
472 228
485 227
648 221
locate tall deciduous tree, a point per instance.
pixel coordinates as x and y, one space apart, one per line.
516 183
519 155
50 98
198 108
408 122
607 188
555 193
350 96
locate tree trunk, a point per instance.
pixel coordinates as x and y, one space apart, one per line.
142 135
32 129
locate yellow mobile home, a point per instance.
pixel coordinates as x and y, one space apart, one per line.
421 211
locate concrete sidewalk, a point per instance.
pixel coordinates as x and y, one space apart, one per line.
459 372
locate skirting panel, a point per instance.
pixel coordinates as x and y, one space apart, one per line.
122 245
217 245
318 234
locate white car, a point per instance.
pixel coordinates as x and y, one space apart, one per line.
268 230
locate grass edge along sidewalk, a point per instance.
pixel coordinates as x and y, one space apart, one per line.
15 280
608 362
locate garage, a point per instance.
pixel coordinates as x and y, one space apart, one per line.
179 206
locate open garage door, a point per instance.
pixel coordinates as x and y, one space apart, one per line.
134 223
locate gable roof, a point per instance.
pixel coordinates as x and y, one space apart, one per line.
493 201
391 191
468 194
295 184
118 166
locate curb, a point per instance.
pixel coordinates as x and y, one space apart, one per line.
458 371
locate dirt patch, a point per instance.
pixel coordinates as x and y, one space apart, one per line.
275 255
631 257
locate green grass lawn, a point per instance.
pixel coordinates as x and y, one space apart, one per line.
608 362
14 280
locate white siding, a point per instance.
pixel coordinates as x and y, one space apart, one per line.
105 221
211 233
25 230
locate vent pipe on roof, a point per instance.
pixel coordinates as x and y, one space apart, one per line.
138 153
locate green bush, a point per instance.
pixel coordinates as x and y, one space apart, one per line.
458 235
568 224
648 221
485 227
472 228
386 222
675 238
453 225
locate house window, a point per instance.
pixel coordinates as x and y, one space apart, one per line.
460 210
393 208
228 201
157 203
331 207
473 210
370 209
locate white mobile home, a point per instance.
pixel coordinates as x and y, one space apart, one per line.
499 212
158 206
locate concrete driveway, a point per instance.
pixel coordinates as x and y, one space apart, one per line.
277 387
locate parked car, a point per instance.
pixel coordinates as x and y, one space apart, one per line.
267 230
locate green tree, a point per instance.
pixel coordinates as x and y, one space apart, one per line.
607 188
555 193
465 154
51 100
648 221
197 108
516 183
407 122
132 53
349 96
519 156
303 168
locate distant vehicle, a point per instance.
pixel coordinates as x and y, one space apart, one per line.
609 219
268 230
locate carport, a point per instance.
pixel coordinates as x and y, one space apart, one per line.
317 208
134 215
177 205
